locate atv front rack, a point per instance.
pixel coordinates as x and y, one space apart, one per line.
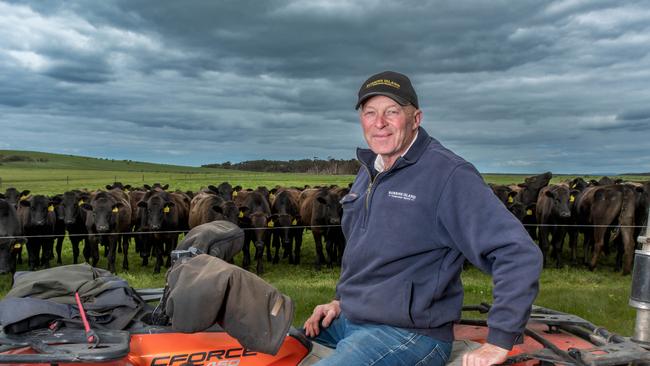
609 348
65 345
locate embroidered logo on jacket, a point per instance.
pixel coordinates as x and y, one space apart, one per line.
402 195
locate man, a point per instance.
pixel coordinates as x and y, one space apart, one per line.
415 212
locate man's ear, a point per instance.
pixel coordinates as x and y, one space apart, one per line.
417 118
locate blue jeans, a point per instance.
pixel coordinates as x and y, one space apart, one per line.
375 344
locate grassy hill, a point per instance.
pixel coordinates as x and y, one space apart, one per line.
33 159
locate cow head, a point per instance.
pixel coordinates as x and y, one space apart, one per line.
40 210
159 207
105 211
560 197
71 202
328 208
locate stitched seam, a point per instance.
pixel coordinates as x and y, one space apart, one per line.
392 350
429 356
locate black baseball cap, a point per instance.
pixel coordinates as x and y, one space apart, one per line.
391 84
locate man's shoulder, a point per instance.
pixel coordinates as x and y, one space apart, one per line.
440 156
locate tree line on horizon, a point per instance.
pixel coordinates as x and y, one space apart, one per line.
311 166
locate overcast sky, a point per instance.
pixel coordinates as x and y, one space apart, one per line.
512 86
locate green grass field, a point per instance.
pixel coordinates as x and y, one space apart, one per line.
600 297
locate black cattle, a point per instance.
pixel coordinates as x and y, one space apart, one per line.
107 221
286 233
553 214
206 206
602 208
139 226
37 218
59 226
13 196
10 242
224 190
74 219
254 219
166 213
320 210
118 185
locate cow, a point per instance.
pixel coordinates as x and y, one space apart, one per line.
224 190
319 210
59 226
74 219
10 242
553 214
107 220
254 216
37 218
13 196
206 206
167 214
286 231
139 226
527 193
601 208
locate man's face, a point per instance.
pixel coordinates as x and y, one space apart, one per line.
388 127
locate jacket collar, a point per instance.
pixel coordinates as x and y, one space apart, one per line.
367 157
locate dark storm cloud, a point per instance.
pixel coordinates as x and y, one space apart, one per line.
513 86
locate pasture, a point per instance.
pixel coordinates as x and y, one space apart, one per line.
600 296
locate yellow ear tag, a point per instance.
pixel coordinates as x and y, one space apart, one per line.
17 246
115 210
241 214
234 194
572 198
22 198
166 209
271 196
81 202
529 212
294 222
510 200
50 208
573 185
270 224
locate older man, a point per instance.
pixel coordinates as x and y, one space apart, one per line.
415 212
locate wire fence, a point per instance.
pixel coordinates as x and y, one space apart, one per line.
281 227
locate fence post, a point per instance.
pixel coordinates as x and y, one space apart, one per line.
67 180
0 182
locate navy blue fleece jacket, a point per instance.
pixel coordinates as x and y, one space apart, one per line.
408 231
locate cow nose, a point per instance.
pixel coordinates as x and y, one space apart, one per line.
155 227
69 222
565 214
40 222
102 228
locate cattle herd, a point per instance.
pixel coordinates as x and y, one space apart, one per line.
608 214
152 218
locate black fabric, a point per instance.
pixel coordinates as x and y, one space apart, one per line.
108 300
221 239
205 291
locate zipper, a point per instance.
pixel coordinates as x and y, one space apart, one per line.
369 191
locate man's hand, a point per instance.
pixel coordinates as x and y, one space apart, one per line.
327 312
487 354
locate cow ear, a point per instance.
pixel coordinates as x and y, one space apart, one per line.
549 194
25 193
87 206
574 193
170 204
217 209
213 188
165 187
142 204
147 187
273 190
273 217
25 203
2 196
128 186
56 200
321 200
237 188
109 187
